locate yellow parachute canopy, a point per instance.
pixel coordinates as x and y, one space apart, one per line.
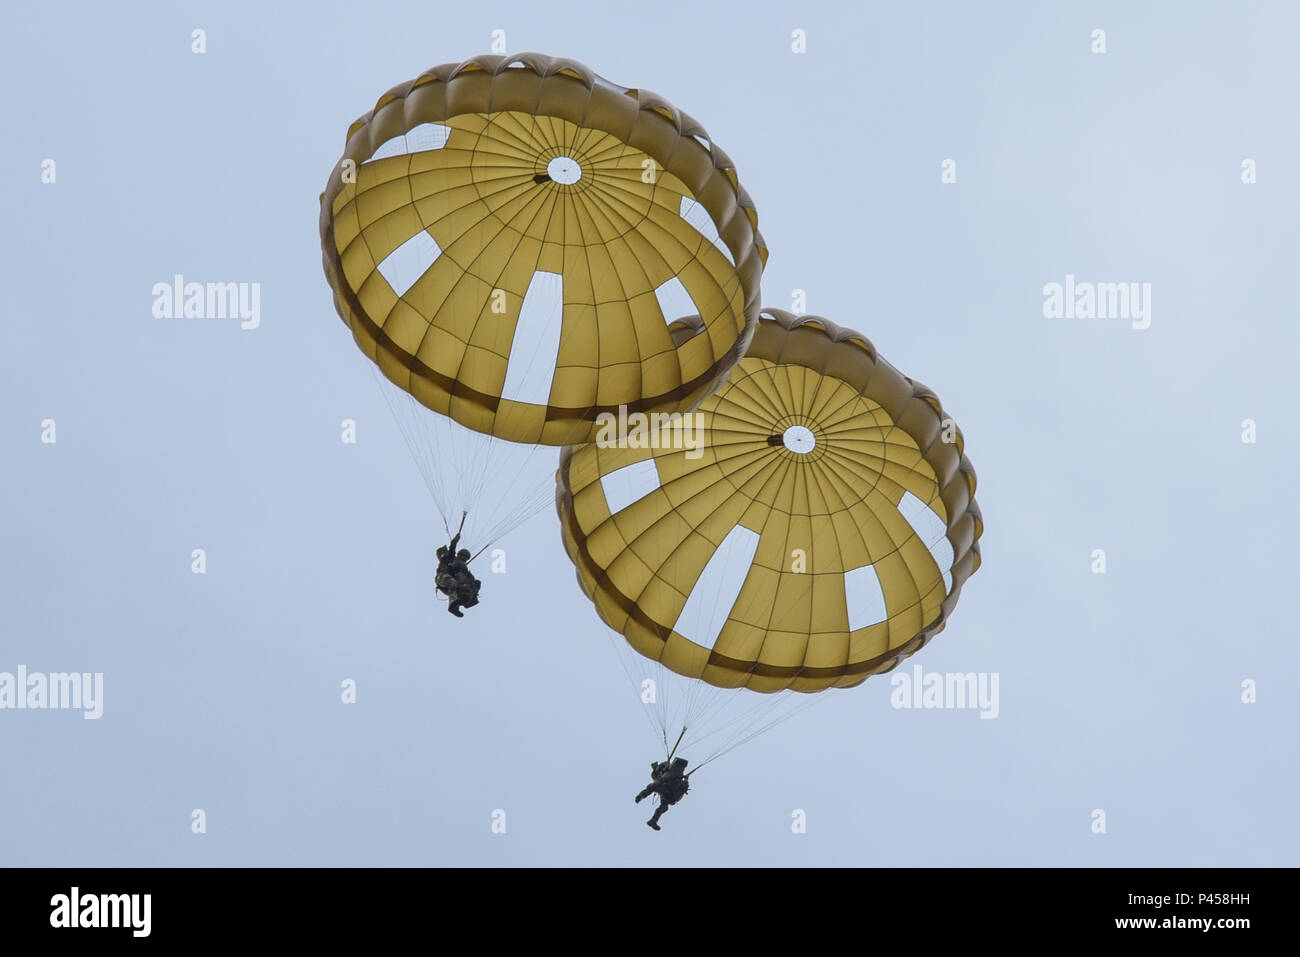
510 239
835 489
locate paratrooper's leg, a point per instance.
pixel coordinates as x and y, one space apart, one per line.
659 812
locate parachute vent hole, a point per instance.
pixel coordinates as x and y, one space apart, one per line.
799 439
564 170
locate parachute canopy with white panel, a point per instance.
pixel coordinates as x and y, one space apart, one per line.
511 240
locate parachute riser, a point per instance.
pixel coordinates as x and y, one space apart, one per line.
678 742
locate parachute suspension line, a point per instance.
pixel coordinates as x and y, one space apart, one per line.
416 445
749 717
638 669
654 672
468 464
705 702
701 712
731 743
780 719
735 725
675 691
622 653
417 425
529 506
747 721
668 708
465 470
761 706
670 697
705 614
483 454
538 494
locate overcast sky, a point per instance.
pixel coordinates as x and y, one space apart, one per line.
1119 692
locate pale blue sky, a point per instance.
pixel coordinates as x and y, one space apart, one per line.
1119 692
